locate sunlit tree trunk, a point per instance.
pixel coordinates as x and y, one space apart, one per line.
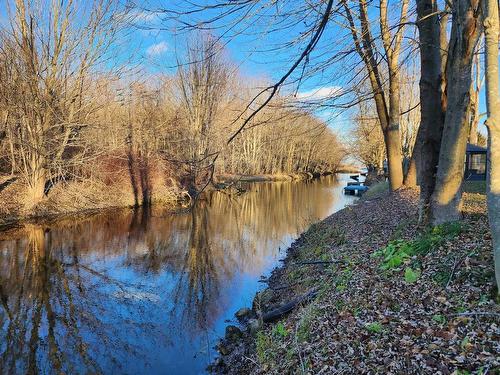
391 132
491 31
465 32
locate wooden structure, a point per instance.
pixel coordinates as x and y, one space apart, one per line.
476 163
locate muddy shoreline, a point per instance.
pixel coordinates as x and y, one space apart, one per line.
239 339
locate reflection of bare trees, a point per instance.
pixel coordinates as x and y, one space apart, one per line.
78 295
40 304
197 291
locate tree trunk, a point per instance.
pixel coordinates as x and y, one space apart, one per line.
491 31
392 47
465 32
474 102
392 134
36 188
394 161
410 179
432 116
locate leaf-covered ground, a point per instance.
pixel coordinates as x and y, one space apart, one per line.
394 299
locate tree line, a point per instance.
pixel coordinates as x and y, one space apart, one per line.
80 128
378 40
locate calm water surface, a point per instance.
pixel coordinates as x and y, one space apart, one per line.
146 292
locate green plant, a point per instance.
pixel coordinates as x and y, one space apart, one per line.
465 343
374 327
411 276
342 279
304 327
263 344
398 251
448 229
394 254
290 353
280 330
438 318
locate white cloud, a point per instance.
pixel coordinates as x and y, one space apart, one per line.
319 94
157 49
146 16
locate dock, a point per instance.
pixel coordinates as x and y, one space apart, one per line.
353 189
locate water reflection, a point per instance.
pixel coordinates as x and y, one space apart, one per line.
144 292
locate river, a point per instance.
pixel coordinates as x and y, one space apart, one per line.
139 292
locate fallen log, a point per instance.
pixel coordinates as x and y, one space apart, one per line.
278 312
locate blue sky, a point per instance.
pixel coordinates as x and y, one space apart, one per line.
255 46
263 47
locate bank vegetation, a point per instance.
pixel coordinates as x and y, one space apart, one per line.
80 131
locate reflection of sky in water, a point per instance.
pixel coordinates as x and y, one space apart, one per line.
145 292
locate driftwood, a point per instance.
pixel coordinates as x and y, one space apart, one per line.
278 312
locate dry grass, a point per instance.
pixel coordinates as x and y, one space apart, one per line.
110 186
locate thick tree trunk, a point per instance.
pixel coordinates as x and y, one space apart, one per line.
465 32
394 161
491 30
429 134
36 188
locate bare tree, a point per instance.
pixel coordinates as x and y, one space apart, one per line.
387 102
432 45
46 59
367 139
202 85
465 33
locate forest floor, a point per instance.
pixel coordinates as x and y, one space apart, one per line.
389 297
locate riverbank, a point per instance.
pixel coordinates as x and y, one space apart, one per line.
232 178
80 198
380 297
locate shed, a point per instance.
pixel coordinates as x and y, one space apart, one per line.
475 163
